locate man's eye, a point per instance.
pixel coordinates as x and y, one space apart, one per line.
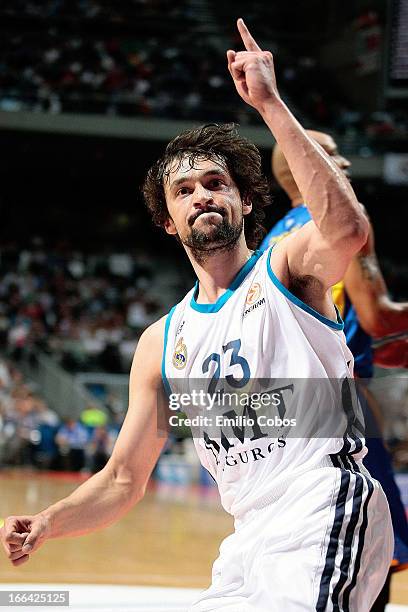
215 183
182 191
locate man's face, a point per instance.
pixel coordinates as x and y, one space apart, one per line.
204 204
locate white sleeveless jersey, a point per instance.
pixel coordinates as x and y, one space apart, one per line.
259 331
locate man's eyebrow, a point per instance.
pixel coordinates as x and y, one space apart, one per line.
212 171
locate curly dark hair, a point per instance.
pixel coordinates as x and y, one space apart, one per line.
215 142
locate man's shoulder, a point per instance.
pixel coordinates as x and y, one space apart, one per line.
154 334
147 360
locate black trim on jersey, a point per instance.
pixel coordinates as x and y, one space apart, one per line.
348 541
334 539
348 466
363 529
353 423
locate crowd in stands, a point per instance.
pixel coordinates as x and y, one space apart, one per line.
32 434
102 10
87 310
58 68
58 71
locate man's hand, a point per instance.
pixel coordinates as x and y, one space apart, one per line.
253 71
23 535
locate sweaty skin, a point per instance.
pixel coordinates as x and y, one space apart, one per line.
379 316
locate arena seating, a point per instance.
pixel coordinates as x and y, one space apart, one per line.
94 57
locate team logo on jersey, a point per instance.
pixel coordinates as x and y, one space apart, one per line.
180 355
253 294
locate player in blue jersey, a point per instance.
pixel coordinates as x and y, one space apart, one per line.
368 312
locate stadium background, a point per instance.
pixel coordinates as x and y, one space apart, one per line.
90 93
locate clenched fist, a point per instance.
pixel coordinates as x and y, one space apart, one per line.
253 72
23 535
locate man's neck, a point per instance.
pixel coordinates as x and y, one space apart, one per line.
216 273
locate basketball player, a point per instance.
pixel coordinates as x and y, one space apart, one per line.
363 301
312 528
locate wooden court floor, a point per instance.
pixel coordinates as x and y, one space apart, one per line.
170 539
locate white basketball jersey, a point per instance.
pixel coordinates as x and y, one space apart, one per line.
258 331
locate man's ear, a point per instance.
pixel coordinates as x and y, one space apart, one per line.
170 227
246 206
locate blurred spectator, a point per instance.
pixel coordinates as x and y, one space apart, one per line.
48 423
72 439
100 448
28 425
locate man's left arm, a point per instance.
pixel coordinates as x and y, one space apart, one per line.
321 250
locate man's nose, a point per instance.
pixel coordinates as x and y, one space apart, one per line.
202 195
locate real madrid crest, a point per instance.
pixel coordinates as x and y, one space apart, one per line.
180 355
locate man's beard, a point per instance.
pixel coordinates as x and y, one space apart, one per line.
223 237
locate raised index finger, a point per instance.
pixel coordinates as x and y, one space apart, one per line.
248 40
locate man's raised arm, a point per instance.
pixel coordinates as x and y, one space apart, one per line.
324 248
110 493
